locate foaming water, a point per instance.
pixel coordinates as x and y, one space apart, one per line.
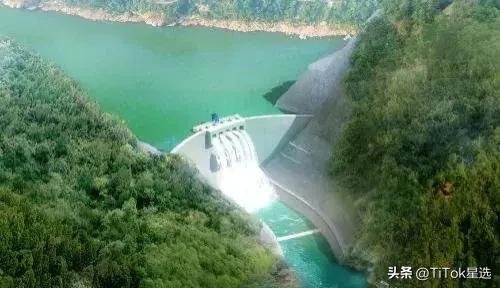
240 177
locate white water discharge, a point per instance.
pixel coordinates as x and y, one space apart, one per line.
240 177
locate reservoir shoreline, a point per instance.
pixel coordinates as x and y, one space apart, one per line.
157 19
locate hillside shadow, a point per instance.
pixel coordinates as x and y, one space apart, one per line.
275 93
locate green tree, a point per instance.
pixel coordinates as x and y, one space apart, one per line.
81 206
421 150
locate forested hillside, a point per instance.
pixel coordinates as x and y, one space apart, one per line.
296 11
421 151
80 206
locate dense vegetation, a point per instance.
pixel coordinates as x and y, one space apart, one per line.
296 11
422 148
81 207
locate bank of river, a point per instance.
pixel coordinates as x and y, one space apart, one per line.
158 19
162 81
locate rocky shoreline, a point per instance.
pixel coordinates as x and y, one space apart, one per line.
150 18
157 19
303 30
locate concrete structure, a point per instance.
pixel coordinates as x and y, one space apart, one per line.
269 134
292 164
298 235
294 150
300 169
321 80
148 148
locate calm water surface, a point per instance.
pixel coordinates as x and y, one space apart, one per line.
164 81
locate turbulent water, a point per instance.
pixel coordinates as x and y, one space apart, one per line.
240 176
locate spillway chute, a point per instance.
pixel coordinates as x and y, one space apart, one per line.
241 179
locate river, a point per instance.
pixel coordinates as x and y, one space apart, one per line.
163 81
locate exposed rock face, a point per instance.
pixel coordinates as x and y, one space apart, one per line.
148 148
158 19
155 19
321 81
318 30
19 3
151 18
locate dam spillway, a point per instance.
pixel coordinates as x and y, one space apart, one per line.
230 154
239 176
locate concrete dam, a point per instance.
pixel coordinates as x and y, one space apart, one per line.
232 154
258 160
262 135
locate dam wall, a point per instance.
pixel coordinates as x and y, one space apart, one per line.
313 214
294 156
321 80
301 167
269 134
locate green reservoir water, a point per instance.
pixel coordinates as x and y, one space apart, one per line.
309 256
163 81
